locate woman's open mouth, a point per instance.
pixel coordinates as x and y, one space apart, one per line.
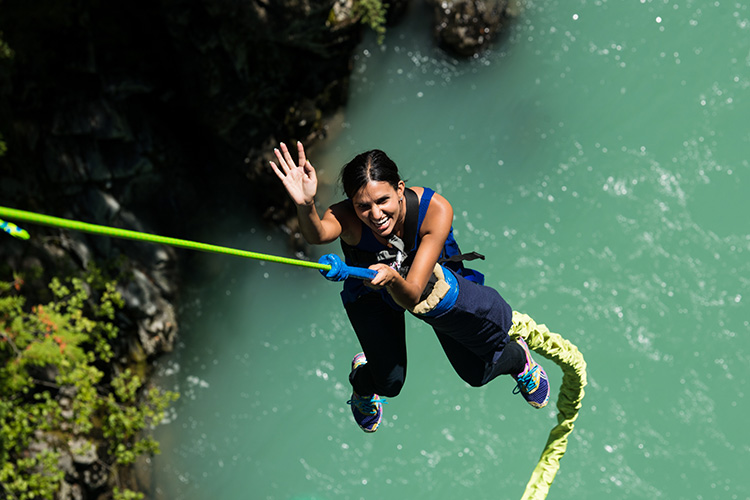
382 223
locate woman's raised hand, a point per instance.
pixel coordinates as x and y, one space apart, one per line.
300 181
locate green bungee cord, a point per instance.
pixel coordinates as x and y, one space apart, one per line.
329 265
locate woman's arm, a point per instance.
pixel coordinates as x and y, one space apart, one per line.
435 229
317 230
301 183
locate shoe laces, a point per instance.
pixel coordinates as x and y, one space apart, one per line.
366 405
526 382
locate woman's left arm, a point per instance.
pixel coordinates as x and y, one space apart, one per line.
435 229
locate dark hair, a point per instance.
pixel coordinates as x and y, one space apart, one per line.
369 166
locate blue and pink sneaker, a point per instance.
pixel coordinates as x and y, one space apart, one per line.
532 382
367 410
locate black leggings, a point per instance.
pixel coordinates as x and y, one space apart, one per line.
382 334
381 331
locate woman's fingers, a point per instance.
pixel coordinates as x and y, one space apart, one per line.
285 161
282 163
277 171
382 278
288 157
301 154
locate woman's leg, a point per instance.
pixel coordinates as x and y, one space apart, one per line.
381 332
477 372
474 335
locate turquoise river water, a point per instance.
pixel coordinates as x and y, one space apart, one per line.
598 155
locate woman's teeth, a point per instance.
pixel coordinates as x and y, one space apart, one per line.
382 222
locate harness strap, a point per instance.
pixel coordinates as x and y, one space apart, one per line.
411 224
424 204
462 257
411 231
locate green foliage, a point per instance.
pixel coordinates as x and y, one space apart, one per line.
126 494
5 51
23 480
372 13
52 386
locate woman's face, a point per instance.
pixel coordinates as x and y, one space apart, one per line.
380 206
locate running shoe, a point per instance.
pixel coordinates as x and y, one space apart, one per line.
532 382
367 410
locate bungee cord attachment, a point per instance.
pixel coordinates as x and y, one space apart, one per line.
340 271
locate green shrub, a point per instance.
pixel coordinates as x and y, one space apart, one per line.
372 13
53 387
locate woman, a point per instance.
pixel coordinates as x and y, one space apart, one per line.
403 233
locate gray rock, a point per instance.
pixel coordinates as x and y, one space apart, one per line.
95 477
102 206
466 27
158 332
70 491
90 117
82 451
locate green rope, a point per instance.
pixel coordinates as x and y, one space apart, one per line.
47 220
569 400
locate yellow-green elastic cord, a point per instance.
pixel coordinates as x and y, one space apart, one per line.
567 356
46 220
